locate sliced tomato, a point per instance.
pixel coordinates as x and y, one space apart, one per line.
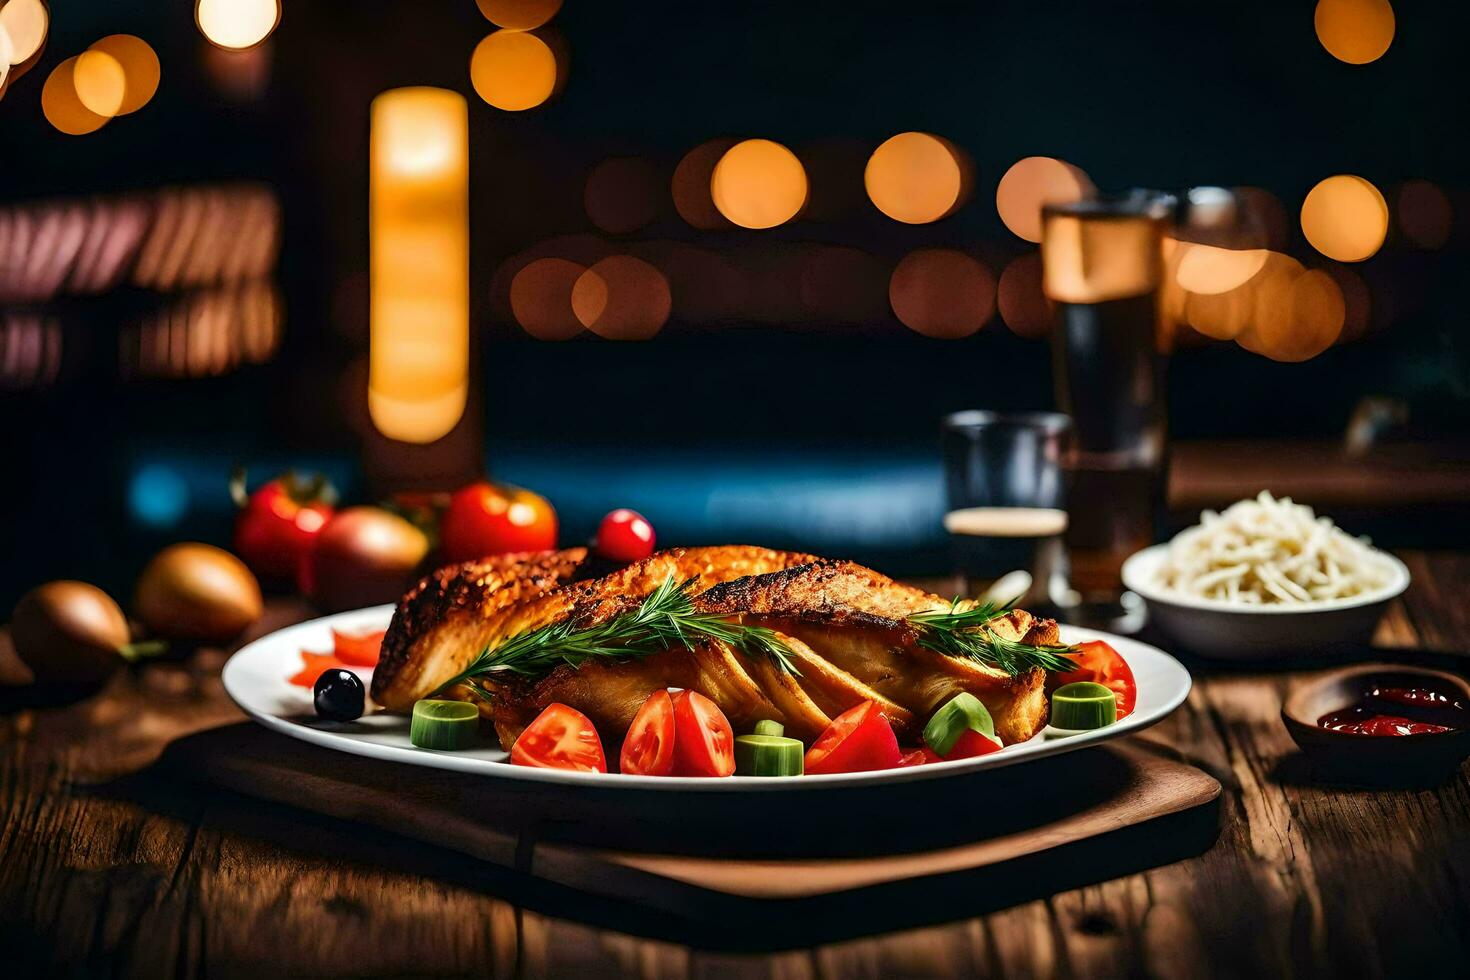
918 757
858 740
560 738
313 665
704 742
1101 664
358 649
648 748
971 744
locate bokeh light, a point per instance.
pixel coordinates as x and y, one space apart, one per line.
541 298
100 82
1355 31
622 298
1032 183
140 69
942 293
518 15
1345 218
759 184
690 186
1229 314
622 195
915 178
26 22
6 49
1300 323
1357 303
1210 269
1022 302
513 70
1424 214
237 24
62 107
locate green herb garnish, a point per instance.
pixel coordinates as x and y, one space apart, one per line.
967 633
665 619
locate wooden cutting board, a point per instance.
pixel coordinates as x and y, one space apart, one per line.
789 869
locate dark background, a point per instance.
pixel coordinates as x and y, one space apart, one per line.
788 428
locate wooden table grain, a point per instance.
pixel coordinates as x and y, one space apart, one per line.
109 866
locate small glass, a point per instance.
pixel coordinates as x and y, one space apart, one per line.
1006 494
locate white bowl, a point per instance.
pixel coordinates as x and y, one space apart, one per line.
1229 632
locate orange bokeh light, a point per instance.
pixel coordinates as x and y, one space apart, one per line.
100 82
237 24
915 178
1355 31
1298 321
62 107
622 298
1022 303
1210 269
140 69
1345 218
690 186
541 299
942 293
759 184
1032 183
513 70
25 23
518 15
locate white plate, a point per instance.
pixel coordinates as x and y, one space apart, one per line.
255 678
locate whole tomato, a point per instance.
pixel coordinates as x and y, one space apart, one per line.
493 518
278 523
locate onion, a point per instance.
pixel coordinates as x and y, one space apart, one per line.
196 591
69 633
364 556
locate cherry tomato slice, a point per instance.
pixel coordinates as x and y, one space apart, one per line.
919 757
1100 663
858 740
648 748
704 742
624 535
972 744
560 738
313 665
358 649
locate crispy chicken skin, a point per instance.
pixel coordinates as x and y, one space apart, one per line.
453 614
846 626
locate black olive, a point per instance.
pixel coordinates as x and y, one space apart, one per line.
339 695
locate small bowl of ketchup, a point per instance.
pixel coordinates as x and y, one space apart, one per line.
1384 724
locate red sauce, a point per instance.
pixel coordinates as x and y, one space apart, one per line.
1386 710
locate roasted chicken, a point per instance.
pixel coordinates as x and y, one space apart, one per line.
846 628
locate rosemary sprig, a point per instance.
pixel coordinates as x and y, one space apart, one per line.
666 618
966 633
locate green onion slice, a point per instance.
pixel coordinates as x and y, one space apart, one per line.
1083 705
768 755
769 727
444 724
960 714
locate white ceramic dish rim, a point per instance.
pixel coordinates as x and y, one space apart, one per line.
1140 567
271 654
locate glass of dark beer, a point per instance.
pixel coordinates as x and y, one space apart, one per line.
1102 268
1006 498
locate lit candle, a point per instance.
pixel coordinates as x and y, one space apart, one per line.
418 373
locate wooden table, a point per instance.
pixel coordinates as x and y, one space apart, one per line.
108 866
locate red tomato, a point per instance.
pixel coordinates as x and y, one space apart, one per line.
648 748
858 740
358 649
1100 663
972 744
918 757
278 523
493 519
560 738
704 742
313 665
624 535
